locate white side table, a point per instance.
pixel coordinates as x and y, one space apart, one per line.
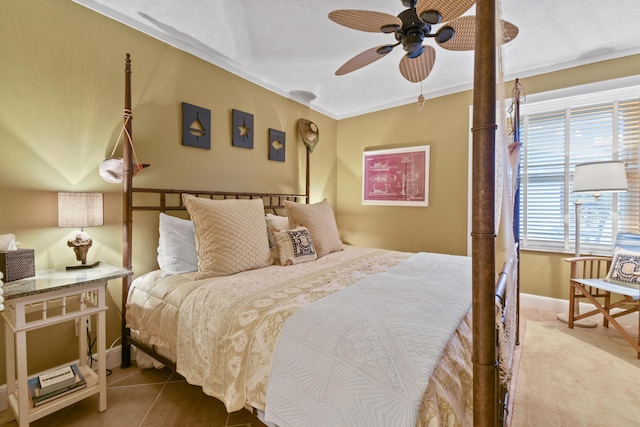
49 298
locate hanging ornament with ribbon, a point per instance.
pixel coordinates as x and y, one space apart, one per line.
112 169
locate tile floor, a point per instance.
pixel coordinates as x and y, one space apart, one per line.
146 398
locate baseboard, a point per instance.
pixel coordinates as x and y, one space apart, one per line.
562 306
113 361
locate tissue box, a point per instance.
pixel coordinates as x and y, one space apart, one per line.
17 264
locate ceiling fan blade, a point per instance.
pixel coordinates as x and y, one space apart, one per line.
366 20
417 69
509 31
447 9
465 33
364 58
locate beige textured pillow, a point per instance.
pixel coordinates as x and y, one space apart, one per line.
294 246
318 218
231 235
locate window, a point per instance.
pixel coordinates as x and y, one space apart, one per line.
556 136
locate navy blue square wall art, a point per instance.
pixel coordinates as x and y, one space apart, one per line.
277 145
242 129
196 126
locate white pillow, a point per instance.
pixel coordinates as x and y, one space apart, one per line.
275 221
177 245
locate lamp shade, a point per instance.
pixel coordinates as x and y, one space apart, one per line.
80 209
599 177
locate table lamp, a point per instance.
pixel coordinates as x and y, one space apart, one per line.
79 210
595 178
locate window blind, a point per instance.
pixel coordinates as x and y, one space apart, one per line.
555 138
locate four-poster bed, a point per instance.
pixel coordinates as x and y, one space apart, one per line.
488 298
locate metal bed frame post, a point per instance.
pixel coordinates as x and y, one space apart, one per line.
307 176
485 365
127 211
516 207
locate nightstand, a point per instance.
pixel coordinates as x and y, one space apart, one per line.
49 298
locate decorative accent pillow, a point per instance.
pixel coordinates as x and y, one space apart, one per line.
177 245
275 221
319 219
294 246
624 264
231 235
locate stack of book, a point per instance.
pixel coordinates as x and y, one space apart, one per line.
55 384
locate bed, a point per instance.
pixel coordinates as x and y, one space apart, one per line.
228 333
232 360
224 326
465 382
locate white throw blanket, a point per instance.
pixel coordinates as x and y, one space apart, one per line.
364 356
228 326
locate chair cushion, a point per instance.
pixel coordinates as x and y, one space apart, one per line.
608 286
628 241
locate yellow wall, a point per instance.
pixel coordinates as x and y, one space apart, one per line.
61 92
444 125
61 109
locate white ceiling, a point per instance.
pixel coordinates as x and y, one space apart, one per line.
292 48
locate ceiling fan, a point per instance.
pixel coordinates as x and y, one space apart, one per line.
410 28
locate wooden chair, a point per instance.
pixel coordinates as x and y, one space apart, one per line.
588 282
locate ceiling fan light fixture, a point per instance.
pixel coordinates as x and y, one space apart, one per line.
412 42
431 17
416 52
413 49
390 28
445 34
383 50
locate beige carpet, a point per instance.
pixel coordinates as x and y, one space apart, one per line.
576 378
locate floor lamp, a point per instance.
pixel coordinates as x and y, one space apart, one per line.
595 178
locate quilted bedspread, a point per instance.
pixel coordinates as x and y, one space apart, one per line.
227 327
223 330
365 355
